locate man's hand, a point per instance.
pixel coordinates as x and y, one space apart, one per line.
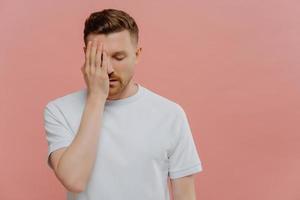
95 69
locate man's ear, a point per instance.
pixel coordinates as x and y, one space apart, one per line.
84 49
138 53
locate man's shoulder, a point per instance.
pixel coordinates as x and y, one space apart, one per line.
162 102
71 98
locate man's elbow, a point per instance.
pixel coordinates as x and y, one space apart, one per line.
75 187
71 184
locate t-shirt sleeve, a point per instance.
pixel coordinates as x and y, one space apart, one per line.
58 134
183 159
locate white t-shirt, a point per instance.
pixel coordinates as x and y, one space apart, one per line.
144 140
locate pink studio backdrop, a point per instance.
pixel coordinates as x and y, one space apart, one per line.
232 65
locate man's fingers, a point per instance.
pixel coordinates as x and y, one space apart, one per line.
87 53
102 50
87 58
98 55
99 61
93 53
104 62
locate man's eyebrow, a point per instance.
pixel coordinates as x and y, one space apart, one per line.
119 53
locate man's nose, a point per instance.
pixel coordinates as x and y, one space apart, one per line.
109 67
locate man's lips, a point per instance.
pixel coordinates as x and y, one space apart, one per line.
113 80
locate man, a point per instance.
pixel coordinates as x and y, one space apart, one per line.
115 139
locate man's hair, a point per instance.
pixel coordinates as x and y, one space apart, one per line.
110 21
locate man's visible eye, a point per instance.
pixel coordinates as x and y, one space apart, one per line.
119 58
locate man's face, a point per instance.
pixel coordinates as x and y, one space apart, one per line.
122 54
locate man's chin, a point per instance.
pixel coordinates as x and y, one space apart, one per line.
113 91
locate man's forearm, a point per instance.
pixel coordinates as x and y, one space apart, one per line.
184 188
75 166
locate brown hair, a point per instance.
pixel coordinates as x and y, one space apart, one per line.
110 21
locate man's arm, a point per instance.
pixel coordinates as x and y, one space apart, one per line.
73 168
184 188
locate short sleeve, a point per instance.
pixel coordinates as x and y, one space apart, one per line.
58 134
183 159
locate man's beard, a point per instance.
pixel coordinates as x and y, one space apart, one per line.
117 88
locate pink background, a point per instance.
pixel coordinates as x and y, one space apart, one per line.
232 65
